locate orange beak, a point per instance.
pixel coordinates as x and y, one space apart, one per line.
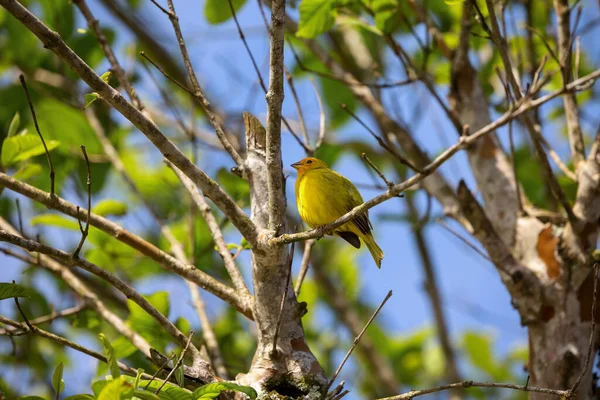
296 165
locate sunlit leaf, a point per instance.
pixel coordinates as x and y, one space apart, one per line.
28 171
10 290
90 98
14 125
110 207
83 396
316 17
106 76
57 379
114 390
54 220
212 390
218 11
109 353
22 147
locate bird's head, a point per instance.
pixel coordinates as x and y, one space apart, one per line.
309 163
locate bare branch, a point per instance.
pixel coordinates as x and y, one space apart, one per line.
462 239
290 81
304 265
212 117
275 96
520 108
377 170
208 334
84 231
468 384
357 339
178 363
89 297
215 231
37 128
33 246
110 55
321 116
48 318
61 340
53 42
168 262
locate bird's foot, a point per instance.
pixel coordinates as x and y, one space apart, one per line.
321 231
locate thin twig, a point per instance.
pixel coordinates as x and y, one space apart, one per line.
198 93
290 81
339 396
178 363
463 239
162 367
357 340
20 217
47 318
586 365
321 116
305 145
389 149
23 313
110 55
290 260
65 342
166 75
377 170
521 107
37 128
308 245
84 232
468 384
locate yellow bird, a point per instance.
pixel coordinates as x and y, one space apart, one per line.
323 195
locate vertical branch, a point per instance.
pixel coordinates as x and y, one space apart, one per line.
434 293
274 103
37 128
565 53
110 55
84 231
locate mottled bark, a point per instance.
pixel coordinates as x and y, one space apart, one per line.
291 368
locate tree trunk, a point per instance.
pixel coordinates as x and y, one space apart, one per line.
559 341
291 369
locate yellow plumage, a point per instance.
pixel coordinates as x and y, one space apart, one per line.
323 195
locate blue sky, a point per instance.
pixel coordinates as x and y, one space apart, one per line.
474 297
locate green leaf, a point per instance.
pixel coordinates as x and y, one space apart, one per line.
110 356
138 376
28 171
145 324
10 290
57 381
83 396
14 125
31 398
357 23
22 147
316 17
453 2
218 11
180 376
479 347
145 395
212 390
110 207
168 392
106 76
90 98
114 390
234 185
54 220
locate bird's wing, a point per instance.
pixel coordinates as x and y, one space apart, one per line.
350 198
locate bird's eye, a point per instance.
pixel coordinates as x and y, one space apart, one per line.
309 162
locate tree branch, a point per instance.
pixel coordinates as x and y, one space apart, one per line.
168 262
52 41
275 96
521 108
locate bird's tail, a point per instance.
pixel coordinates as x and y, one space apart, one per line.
375 251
